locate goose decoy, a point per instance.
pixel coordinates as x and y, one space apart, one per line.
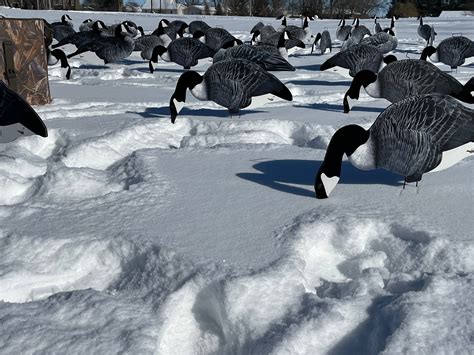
258 26
426 32
229 83
385 42
82 39
280 49
277 39
343 32
17 117
390 30
324 40
299 33
268 61
164 26
357 58
183 51
408 77
179 26
197 25
86 25
377 27
359 31
409 138
217 38
147 43
63 29
451 51
263 33
110 49
111 31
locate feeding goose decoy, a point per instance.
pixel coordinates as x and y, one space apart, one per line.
408 77
110 49
217 38
357 58
229 83
183 51
359 31
165 26
411 137
281 48
324 40
343 31
300 33
451 51
179 26
268 61
82 39
276 40
17 117
197 25
426 32
147 43
385 42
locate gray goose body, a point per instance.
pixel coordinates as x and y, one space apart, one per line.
426 32
407 138
409 77
453 51
82 39
405 78
110 49
410 136
231 84
195 26
343 32
63 29
187 50
382 40
179 26
357 58
268 61
17 117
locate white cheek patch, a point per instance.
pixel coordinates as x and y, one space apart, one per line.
179 105
329 183
202 39
285 36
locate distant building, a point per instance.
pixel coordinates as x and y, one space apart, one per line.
163 6
198 10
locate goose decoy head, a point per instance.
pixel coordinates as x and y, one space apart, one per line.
362 78
188 80
389 59
182 30
256 37
66 19
346 140
87 21
140 29
60 55
199 35
99 25
316 40
429 52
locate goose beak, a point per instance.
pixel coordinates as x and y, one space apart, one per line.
175 107
324 185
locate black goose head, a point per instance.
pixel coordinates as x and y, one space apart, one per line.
140 29
389 59
362 78
98 26
427 52
121 30
180 32
66 19
187 80
198 35
284 36
283 21
87 21
346 140
255 36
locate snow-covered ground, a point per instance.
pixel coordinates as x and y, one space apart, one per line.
124 233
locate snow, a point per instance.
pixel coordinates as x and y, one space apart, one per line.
124 233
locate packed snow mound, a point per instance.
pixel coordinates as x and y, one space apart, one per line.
365 285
